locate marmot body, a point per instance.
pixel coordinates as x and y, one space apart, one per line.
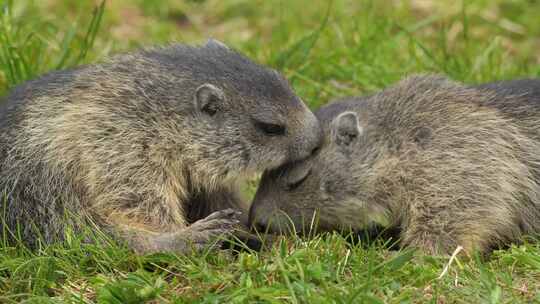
446 164
148 145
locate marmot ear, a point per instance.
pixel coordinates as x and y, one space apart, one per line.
208 99
216 43
345 129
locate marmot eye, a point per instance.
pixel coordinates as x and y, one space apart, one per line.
297 183
270 129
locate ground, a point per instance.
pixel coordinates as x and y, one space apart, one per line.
327 50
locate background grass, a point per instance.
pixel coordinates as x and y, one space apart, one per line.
327 50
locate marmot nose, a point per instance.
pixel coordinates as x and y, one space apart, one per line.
307 148
258 227
253 223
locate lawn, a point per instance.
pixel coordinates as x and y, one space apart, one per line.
327 49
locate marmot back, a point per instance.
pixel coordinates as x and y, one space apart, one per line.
445 163
149 144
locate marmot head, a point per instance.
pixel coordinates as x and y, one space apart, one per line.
323 191
239 117
345 184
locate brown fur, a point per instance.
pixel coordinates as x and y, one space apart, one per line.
445 163
149 145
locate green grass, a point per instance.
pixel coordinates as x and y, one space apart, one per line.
327 50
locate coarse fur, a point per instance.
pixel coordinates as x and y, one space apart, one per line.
444 163
149 145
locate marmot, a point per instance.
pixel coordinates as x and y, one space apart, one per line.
447 164
149 145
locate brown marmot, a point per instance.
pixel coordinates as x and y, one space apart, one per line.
149 145
447 164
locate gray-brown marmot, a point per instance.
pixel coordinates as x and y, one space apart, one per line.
447 164
149 145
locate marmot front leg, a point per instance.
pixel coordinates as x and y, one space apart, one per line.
206 203
429 242
443 238
197 236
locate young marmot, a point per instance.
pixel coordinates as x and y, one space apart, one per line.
446 164
148 145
